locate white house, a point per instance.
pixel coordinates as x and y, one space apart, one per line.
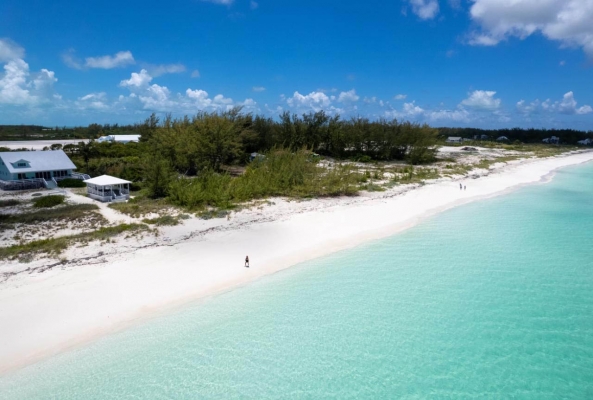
454 139
552 140
35 169
586 142
502 139
108 188
119 138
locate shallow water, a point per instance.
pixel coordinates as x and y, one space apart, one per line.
492 299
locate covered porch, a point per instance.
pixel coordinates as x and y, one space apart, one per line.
108 188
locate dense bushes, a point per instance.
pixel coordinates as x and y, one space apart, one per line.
48 201
281 173
71 183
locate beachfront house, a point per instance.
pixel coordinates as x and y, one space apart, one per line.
454 139
35 169
502 139
119 139
586 142
552 140
108 188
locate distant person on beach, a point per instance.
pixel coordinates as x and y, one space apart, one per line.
247 261
464 187
460 186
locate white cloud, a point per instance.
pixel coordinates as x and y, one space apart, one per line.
223 2
19 86
565 21
120 59
96 101
195 73
482 100
348 97
70 59
425 9
568 105
158 70
137 80
459 115
314 100
400 96
9 50
258 88
370 100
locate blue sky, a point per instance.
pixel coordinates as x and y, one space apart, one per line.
481 63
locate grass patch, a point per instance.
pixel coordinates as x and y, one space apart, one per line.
67 213
9 203
71 183
165 220
55 246
48 201
140 206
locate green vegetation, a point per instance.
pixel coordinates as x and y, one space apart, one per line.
55 246
48 201
535 136
66 213
281 173
71 183
9 203
165 220
140 206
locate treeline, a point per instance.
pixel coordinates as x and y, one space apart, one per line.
37 132
567 136
210 140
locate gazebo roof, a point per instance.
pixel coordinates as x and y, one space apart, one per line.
106 180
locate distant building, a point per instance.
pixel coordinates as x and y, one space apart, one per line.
552 140
481 137
34 169
119 139
454 139
586 142
502 139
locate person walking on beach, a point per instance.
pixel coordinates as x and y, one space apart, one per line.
247 261
460 186
464 187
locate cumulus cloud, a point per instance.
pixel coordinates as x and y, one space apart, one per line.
482 100
258 88
565 21
137 80
315 101
425 9
400 96
18 85
348 97
568 106
120 59
9 50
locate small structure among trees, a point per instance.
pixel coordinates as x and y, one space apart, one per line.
108 188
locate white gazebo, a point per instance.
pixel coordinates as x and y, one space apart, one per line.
108 188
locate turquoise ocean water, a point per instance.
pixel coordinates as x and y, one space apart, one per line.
493 299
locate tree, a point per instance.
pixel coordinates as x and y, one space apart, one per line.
158 175
87 151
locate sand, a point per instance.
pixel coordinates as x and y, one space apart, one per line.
42 314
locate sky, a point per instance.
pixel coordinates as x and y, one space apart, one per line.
477 63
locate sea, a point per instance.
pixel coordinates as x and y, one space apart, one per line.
493 299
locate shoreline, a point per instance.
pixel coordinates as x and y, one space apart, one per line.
44 314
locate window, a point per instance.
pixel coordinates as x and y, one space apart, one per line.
21 164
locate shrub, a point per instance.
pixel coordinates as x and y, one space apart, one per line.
71 183
48 201
9 203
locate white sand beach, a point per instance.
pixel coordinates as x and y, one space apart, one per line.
44 313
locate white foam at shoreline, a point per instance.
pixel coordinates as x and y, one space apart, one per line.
43 314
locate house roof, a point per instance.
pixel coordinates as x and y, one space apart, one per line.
454 138
53 160
106 180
